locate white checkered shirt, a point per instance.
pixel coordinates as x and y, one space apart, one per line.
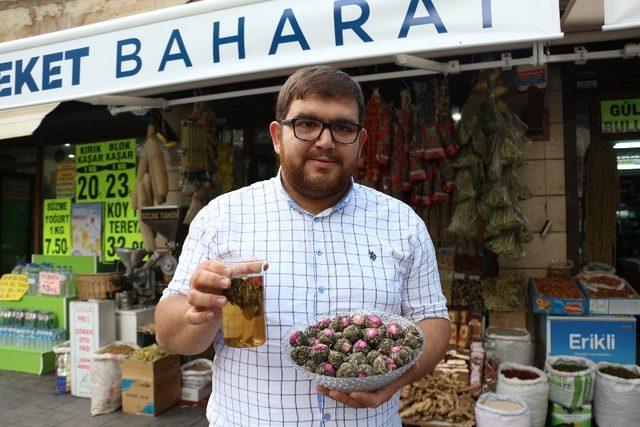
368 251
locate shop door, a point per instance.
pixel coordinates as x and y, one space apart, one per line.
16 219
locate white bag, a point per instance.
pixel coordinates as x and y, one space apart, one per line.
512 345
570 389
196 379
617 401
535 393
491 417
106 380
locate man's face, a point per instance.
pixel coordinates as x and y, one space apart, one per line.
323 168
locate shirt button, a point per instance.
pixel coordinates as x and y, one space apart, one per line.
327 417
316 219
319 252
321 289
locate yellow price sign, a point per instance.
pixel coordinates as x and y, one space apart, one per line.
13 287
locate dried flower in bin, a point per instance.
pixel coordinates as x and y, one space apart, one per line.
300 355
410 329
343 345
345 322
394 331
373 354
311 331
372 336
385 346
326 369
320 352
335 324
311 365
336 358
401 355
347 370
374 321
246 294
353 333
323 323
359 320
361 346
383 364
412 341
313 341
326 336
298 338
364 371
338 335
357 359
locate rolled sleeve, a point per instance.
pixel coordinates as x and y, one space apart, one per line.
422 295
198 247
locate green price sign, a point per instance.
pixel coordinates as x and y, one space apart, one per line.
56 227
620 115
106 172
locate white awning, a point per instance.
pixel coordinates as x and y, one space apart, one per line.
23 121
191 45
621 14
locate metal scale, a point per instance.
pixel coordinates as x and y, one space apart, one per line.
145 282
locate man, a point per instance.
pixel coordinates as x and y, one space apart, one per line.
332 245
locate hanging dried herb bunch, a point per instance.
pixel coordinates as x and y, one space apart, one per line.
246 293
602 195
488 188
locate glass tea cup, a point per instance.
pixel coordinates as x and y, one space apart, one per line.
243 317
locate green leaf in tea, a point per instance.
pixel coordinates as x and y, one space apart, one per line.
246 295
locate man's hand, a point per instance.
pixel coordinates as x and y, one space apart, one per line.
207 284
363 399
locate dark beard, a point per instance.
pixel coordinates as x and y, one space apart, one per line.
316 189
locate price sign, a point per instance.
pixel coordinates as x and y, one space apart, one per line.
56 227
49 283
106 172
13 287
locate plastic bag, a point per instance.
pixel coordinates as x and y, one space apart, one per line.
616 400
488 416
196 378
535 392
512 345
106 380
570 389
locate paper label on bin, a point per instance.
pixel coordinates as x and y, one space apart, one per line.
13 287
49 283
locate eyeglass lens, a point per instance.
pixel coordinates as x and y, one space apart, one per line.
310 130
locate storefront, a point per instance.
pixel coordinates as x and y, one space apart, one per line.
483 72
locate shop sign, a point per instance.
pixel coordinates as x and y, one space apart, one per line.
86 229
13 287
213 40
66 181
620 115
56 227
601 339
106 172
527 76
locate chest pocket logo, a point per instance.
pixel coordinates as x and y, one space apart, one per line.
372 255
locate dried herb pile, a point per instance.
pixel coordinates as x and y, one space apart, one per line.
488 188
602 195
620 372
505 293
149 354
246 294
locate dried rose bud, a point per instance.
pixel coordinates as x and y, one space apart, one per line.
313 341
365 371
373 354
385 346
298 338
393 330
326 369
391 364
361 346
374 321
371 336
323 323
359 320
300 355
320 346
345 321
343 345
320 353
353 333
396 349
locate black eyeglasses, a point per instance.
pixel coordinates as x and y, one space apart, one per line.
311 129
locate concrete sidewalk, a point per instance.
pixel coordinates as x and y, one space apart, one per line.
29 400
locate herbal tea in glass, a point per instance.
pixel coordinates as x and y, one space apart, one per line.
243 320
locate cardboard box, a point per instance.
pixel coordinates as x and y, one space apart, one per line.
579 417
627 306
602 339
150 388
562 306
196 394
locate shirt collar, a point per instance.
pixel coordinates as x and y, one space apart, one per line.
342 203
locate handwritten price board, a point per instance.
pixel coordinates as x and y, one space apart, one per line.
13 287
49 283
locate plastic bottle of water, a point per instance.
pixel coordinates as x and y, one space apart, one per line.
64 281
32 271
72 286
18 268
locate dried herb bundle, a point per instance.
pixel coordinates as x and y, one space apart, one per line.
246 294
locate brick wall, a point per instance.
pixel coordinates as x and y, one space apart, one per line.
27 18
544 174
